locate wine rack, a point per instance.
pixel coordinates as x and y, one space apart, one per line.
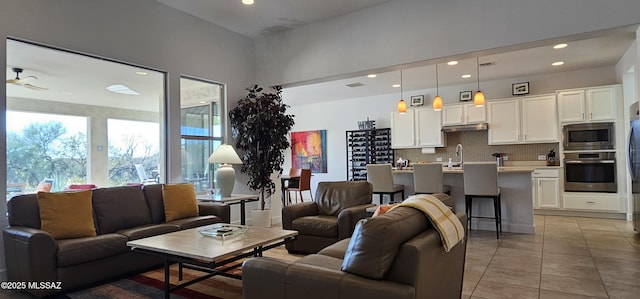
367 147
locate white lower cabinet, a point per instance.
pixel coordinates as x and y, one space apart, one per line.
546 188
604 202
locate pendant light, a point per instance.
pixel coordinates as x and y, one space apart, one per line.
478 98
402 105
437 101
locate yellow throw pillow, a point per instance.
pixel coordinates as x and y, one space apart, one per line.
179 201
67 215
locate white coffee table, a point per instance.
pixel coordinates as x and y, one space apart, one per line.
206 253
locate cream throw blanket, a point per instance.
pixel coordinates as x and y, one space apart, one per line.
443 219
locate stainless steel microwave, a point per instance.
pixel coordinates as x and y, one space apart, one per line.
589 136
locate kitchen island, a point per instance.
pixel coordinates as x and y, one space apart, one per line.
516 197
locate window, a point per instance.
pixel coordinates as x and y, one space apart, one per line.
45 147
130 148
201 130
77 97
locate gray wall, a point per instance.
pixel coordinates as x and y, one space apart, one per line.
405 31
142 32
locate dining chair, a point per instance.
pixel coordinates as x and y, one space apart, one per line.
294 177
302 184
381 177
481 181
428 179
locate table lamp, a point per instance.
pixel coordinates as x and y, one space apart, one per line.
226 175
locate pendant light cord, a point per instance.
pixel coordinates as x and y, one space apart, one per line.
478 71
437 83
401 85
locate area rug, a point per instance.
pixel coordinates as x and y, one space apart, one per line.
151 285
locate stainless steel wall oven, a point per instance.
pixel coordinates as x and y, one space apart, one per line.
590 172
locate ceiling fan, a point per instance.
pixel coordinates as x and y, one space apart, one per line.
25 81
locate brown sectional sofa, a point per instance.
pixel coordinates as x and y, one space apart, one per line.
396 255
120 214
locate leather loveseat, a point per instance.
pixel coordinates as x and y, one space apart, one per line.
120 214
402 257
330 217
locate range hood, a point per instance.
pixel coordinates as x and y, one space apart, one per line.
461 128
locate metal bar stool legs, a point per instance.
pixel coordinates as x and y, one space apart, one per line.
497 211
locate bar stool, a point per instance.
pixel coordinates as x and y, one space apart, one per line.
427 179
481 181
381 177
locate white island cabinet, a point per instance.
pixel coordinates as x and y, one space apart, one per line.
516 194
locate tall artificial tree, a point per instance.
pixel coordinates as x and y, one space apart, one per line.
260 125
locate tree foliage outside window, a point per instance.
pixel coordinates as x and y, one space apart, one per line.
47 150
42 151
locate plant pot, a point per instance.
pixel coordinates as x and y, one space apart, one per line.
261 218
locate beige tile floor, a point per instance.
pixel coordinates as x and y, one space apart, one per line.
567 257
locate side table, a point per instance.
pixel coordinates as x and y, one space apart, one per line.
232 200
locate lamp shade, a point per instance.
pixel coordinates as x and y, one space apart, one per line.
478 99
225 154
437 103
226 175
402 106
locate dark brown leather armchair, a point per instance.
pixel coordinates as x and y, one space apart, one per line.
332 216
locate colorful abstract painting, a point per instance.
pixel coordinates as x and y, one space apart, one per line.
309 150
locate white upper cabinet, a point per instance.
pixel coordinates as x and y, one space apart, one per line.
402 130
525 120
417 128
588 104
504 121
459 114
539 119
428 125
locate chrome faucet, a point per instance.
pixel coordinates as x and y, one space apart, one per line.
459 152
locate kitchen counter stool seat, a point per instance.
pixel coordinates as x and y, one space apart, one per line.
481 181
427 179
381 177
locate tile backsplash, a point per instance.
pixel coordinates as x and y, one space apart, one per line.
475 148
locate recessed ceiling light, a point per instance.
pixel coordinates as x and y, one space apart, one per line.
119 88
141 73
466 76
395 85
560 46
558 63
372 75
452 62
247 2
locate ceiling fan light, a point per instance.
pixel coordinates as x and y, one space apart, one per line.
402 107
122 89
478 99
437 103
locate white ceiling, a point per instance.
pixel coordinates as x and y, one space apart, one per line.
267 16
80 79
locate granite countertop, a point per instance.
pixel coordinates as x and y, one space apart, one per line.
513 167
